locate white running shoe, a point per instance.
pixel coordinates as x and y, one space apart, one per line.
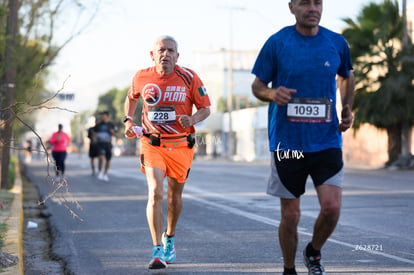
105 177
100 176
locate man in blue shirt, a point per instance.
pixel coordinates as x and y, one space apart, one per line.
302 63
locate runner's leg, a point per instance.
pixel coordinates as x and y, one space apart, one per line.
288 233
155 178
330 200
174 204
64 154
107 164
100 162
93 165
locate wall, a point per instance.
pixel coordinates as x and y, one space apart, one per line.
365 148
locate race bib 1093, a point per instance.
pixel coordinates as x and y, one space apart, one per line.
310 110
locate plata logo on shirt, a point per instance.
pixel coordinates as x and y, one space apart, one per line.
175 94
152 94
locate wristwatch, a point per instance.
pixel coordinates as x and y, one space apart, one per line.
126 118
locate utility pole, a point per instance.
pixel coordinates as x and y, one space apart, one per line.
231 135
230 138
8 84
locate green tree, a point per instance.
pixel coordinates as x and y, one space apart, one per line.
384 90
119 106
113 102
27 43
78 126
119 103
106 103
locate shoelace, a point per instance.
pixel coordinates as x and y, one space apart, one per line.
169 244
158 252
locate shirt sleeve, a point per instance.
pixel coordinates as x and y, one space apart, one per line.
133 94
67 140
52 139
264 67
201 98
346 62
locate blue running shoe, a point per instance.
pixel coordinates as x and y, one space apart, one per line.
169 248
158 259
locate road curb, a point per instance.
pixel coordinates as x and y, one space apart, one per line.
13 243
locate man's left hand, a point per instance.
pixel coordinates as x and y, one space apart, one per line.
347 119
185 121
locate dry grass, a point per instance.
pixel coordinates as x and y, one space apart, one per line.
6 199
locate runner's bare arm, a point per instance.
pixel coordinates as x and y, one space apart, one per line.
200 115
346 89
281 96
113 133
129 108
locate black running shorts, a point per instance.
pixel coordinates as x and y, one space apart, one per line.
289 173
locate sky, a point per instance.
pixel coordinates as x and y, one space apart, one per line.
117 43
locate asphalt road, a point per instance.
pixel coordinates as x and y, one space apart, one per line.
228 224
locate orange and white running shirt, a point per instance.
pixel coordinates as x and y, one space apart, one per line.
166 97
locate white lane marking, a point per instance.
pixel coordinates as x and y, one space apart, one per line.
275 222
127 174
236 211
272 222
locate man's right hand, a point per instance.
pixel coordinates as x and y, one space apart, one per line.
283 95
129 132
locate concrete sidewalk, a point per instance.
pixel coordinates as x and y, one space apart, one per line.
13 241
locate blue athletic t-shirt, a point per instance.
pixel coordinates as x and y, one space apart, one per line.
308 64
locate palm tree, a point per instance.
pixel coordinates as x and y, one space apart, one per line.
383 71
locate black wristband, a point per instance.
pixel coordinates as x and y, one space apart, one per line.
126 118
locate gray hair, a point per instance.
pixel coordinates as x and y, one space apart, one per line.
167 37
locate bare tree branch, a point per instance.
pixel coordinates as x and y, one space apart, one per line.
59 189
55 52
